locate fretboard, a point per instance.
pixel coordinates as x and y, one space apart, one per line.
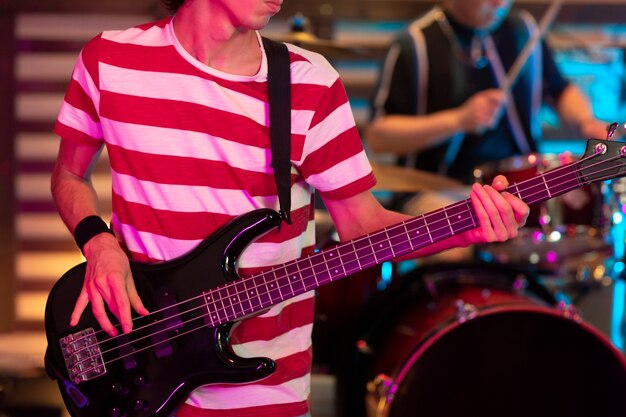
250 295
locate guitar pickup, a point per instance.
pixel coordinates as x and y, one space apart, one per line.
171 322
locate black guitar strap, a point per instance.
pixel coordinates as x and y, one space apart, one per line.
279 95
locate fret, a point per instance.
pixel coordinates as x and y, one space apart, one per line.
308 274
244 300
235 300
283 283
381 248
546 185
254 298
403 240
355 263
365 252
321 269
437 225
226 301
419 235
517 191
448 219
333 264
460 217
565 181
533 189
430 238
349 258
295 278
263 289
470 210
208 302
273 289
214 301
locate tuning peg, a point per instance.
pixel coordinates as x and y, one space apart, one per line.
610 130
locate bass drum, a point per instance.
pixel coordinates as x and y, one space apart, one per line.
486 340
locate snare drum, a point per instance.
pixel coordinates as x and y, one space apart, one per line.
486 340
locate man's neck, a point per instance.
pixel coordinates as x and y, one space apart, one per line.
214 41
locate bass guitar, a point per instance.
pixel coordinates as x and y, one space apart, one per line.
195 300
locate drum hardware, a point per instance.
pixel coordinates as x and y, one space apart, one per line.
382 386
465 311
520 284
381 391
569 311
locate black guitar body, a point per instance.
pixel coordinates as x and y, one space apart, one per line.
176 352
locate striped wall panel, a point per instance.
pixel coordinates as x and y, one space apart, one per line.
47 46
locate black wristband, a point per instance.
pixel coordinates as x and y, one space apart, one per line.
89 227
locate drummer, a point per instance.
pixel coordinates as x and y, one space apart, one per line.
440 105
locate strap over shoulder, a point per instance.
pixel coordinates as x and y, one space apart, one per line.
279 95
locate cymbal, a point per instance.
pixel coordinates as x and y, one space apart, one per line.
407 180
328 48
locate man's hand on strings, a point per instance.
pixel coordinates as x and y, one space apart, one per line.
500 214
108 281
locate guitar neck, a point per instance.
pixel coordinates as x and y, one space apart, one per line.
253 294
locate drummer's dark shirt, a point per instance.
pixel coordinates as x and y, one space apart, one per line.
450 82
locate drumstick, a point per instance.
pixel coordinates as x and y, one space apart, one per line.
507 84
535 37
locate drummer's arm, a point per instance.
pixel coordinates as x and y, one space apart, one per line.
402 134
575 110
398 133
499 214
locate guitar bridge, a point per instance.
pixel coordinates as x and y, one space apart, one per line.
82 355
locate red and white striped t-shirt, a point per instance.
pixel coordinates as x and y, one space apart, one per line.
189 150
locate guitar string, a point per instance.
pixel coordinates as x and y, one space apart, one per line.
174 337
252 311
243 311
221 300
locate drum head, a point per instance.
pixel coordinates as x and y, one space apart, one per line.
512 362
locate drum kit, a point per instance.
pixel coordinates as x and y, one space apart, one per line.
508 332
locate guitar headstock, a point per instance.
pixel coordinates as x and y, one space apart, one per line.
603 160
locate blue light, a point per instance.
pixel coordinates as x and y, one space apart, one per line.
386 273
617 331
618 234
